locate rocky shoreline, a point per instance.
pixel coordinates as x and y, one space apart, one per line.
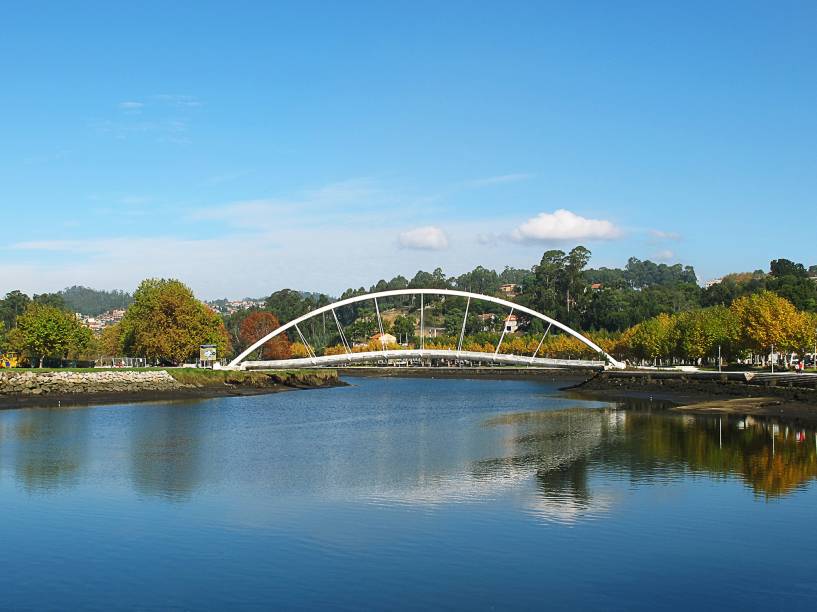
19 388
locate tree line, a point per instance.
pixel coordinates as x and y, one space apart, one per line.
644 311
165 324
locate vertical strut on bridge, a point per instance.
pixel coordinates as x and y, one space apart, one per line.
422 324
541 342
462 332
343 340
379 325
504 329
309 350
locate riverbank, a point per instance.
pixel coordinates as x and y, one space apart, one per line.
20 388
788 396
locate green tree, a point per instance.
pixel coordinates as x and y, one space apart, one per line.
50 299
47 331
479 280
167 323
572 281
12 306
656 338
404 328
93 302
702 331
784 267
544 294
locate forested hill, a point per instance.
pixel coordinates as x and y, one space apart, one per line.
93 302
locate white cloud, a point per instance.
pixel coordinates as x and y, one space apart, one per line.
131 105
665 255
564 225
346 203
427 238
256 246
487 238
661 235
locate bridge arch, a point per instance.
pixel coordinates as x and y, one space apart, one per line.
236 363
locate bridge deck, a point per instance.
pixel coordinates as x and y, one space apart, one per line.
420 354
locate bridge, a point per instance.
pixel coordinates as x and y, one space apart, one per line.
391 356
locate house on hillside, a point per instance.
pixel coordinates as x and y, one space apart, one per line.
509 289
486 321
385 339
511 324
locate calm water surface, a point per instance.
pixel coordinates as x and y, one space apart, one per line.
405 494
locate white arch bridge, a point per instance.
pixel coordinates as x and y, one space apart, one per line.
422 353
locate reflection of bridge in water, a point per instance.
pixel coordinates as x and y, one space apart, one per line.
388 356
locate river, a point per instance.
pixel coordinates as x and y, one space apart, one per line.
405 494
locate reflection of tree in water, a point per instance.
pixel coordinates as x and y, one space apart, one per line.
49 447
648 443
724 447
569 480
556 446
166 451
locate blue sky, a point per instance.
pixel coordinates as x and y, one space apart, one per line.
248 146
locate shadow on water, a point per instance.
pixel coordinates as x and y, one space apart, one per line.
53 448
644 442
166 453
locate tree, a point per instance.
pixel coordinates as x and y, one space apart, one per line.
804 333
572 282
93 302
50 299
403 327
287 305
110 341
479 280
516 276
361 329
84 344
765 320
257 325
785 267
702 331
656 337
14 304
47 331
544 295
167 323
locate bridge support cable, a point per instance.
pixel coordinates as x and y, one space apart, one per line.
309 350
343 339
462 332
541 342
379 325
422 323
504 329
